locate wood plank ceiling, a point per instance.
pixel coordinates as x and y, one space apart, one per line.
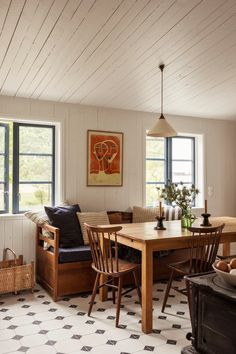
107 52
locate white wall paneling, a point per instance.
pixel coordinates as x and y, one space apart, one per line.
75 120
18 233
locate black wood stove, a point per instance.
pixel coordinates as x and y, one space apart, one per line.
212 305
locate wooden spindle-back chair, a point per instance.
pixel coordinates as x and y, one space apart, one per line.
104 249
203 245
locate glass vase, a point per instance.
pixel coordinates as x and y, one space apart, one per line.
186 221
187 218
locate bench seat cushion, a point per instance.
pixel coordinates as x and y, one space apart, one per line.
75 254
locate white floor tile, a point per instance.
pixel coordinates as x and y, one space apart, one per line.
34 340
130 345
9 345
41 326
6 334
27 329
93 339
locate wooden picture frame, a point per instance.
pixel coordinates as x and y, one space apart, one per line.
104 158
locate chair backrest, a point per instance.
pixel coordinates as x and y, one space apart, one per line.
104 247
203 247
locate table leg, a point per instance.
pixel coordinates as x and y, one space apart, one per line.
226 249
147 282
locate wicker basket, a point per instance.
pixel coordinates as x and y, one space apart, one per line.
14 275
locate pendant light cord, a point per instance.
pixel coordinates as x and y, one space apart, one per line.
161 67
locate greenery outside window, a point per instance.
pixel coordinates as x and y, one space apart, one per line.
168 159
30 167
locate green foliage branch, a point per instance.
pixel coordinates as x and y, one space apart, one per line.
179 194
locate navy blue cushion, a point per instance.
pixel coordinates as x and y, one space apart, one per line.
65 218
75 254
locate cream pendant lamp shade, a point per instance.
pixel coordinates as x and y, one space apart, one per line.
162 128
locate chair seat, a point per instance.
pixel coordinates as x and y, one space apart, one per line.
124 267
186 267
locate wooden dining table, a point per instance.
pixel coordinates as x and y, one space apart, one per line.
143 237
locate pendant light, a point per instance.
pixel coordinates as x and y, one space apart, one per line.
162 128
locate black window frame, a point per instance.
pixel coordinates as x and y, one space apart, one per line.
16 171
5 182
168 159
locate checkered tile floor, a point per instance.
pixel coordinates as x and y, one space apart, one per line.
33 323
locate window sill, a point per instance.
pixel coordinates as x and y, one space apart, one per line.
11 216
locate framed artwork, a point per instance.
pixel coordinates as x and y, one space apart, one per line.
104 158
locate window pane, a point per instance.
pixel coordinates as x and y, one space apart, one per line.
152 194
2 197
34 196
154 171
182 149
2 168
2 140
35 140
155 148
182 171
35 168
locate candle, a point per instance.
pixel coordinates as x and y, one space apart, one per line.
205 206
160 208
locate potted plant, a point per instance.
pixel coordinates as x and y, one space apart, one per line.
178 194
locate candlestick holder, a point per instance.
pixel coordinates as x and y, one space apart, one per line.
205 219
160 225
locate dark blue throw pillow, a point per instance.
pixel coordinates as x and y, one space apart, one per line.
65 218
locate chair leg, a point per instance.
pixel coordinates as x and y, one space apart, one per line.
94 293
136 282
120 286
113 292
167 291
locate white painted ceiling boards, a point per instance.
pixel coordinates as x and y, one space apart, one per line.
107 53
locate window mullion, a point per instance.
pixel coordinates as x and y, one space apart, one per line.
6 169
15 182
169 159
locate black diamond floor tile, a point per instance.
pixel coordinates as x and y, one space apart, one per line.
100 309
17 337
100 331
134 336
77 323
76 336
156 331
171 341
86 348
176 326
50 342
43 331
52 310
23 349
149 348
12 327
181 313
111 342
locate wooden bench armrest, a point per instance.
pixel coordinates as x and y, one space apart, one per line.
52 239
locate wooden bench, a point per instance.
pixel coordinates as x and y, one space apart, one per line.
61 278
